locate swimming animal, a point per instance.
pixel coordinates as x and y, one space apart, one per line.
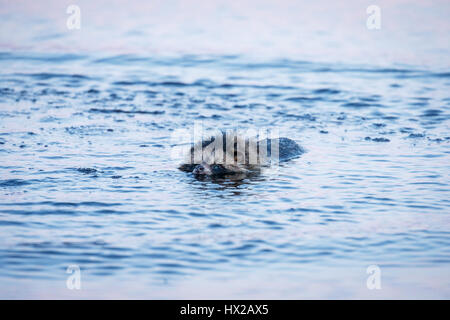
231 153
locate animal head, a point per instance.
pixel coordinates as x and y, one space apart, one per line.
222 154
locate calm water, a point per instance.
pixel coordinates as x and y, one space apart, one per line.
87 177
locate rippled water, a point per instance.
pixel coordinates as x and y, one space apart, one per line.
87 178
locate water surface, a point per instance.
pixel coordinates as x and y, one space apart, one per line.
87 177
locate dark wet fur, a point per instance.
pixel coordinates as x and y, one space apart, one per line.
288 149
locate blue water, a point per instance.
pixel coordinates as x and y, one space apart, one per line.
87 177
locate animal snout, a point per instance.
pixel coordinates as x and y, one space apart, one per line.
199 169
202 168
